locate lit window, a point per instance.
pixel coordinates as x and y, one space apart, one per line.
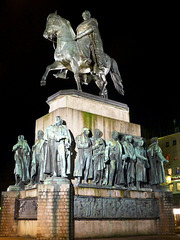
178 186
171 187
169 171
176 210
168 179
177 170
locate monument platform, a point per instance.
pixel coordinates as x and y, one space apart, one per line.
109 213
79 110
57 210
44 212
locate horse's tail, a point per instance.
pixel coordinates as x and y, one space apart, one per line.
116 77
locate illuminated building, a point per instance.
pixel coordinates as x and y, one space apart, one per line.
170 146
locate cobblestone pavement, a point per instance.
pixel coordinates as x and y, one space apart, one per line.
16 238
162 237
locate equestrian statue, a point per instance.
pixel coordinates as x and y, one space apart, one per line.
81 53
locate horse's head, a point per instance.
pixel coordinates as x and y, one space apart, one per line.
52 26
58 26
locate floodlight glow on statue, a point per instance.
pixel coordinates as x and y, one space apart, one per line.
82 54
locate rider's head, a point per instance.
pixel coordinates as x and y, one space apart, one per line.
86 15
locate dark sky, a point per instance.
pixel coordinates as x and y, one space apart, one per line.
140 35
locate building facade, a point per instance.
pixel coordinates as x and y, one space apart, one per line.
170 146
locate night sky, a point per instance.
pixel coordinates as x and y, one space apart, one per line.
142 38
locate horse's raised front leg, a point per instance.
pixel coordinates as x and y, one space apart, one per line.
53 66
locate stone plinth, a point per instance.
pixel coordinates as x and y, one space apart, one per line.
8 224
79 110
165 224
88 103
87 212
110 213
50 206
55 220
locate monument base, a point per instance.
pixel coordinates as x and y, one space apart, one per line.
110 213
55 210
44 212
54 214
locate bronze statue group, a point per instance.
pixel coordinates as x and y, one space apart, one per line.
122 161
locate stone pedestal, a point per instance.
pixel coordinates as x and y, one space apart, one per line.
55 210
45 212
8 224
112 213
165 224
79 110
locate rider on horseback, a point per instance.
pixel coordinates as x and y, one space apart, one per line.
84 57
90 43
90 46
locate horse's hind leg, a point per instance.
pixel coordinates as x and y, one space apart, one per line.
101 83
104 92
53 66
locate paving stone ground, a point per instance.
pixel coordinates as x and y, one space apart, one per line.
157 237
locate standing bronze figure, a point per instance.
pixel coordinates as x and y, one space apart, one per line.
141 163
74 53
114 173
83 166
156 159
98 151
22 161
58 156
130 159
38 159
